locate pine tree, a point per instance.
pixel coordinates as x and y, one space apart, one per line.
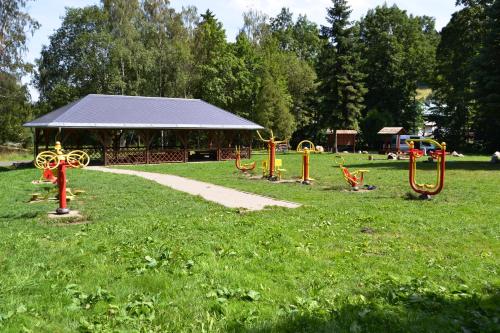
341 81
273 107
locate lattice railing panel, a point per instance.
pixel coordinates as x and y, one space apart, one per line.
228 153
134 155
166 155
95 154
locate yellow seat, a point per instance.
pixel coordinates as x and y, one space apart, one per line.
279 169
264 168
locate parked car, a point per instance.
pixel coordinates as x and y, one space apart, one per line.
403 146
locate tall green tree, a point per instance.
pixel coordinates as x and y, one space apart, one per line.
15 109
398 52
15 25
298 46
300 37
453 88
78 59
247 76
255 26
341 82
168 43
128 53
487 88
215 65
273 106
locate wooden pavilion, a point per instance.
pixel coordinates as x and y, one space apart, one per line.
341 139
143 130
391 139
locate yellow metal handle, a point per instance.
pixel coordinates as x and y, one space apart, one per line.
47 160
434 142
342 160
270 139
300 149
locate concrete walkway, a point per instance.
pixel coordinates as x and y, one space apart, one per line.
11 163
219 194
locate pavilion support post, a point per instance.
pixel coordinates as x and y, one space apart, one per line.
218 136
354 143
46 137
105 139
65 135
335 142
36 142
250 137
183 138
147 137
148 142
230 138
397 144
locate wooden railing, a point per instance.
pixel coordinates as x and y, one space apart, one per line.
140 155
167 155
229 154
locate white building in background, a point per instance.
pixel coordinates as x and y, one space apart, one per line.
429 126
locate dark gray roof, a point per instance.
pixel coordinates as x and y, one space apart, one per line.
110 111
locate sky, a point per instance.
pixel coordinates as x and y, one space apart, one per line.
49 13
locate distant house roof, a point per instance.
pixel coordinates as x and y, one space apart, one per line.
341 131
391 130
116 111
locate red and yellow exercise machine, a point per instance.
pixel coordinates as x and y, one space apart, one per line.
427 190
49 160
242 167
356 178
272 168
306 147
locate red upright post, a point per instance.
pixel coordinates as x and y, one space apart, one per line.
272 157
61 179
305 162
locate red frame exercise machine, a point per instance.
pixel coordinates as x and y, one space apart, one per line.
49 160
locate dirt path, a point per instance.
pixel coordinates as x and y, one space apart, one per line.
219 194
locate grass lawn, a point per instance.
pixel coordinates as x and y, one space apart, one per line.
15 156
153 260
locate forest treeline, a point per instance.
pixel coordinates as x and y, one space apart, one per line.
284 72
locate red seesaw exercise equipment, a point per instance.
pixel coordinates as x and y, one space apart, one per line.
306 147
356 178
48 161
272 168
427 190
242 167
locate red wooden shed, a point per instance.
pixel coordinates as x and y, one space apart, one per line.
387 134
341 138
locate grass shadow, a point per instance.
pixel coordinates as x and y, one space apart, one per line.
22 216
450 165
396 308
19 166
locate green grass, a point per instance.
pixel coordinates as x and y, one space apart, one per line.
15 156
153 259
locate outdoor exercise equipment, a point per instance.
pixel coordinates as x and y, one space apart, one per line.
49 160
427 190
242 167
356 178
306 147
271 169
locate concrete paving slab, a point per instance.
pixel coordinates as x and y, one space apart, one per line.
227 197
